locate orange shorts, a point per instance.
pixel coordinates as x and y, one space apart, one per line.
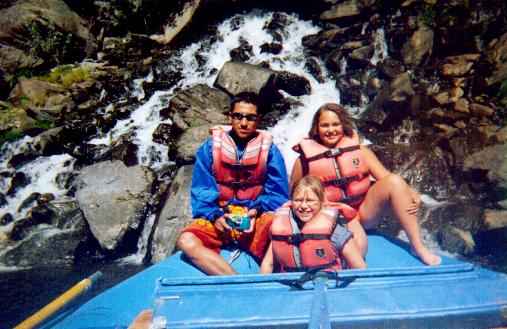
256 242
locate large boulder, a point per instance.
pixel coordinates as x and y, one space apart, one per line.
197 106
189 142
235 77
114 200
175 215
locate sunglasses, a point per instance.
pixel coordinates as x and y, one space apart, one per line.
239 116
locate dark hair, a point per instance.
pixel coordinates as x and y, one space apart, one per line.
246 97
348 128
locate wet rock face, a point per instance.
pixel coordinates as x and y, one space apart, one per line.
114 200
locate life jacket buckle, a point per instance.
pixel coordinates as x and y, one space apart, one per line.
295 239
333 152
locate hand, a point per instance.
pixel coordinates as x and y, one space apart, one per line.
252 213
413 208
221 225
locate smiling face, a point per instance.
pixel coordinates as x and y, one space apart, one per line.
305 203
244 119
329 129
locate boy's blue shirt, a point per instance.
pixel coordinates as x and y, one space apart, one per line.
204 189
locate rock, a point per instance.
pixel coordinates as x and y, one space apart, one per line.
43 28
33 91
175 215
6 219
18 180
292 83
242 53
493 160
455 66
29 201
419 46
45 199
497 53
448 96
315 70
401 88
189 142
177 22
458 241
462 106
480 110
48 142
196 106
125 151
132 47
361 57
271 48
234 78
347 9
162 134
495 219
114 200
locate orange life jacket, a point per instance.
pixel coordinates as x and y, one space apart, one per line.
343 170
311 247
241 179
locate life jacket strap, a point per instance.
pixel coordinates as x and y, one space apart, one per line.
239 185
353 198
339 182
331 153
298 238
238 166
310 269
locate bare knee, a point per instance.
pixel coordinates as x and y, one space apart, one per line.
395 182
187 242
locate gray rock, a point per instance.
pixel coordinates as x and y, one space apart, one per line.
419 46
458 241
197 106
175 215
238 77
113 198
189 142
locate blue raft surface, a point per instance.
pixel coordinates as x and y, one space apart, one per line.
396 291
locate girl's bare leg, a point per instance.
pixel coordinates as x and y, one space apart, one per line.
392 192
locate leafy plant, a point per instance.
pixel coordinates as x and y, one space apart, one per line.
428 15
48 42
502 91
45 124
14 78
10 135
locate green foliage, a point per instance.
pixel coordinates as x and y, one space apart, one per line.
45 124
48 42
7 136
14 78
428 15
502 91
67 74
137 4
6 116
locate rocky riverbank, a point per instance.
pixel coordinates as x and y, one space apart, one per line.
434 110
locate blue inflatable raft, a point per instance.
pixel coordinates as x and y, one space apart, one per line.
396 291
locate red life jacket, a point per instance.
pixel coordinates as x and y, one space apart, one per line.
241 179
311 247
343 170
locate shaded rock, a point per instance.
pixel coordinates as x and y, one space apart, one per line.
292 83
197 106
49 142
29 201
132 47
389 68
401 88
114 200
419 46
494 219
242 53
313 67
234 78
34 91
360 57
45 199
347 9
497 53
175 215
456 66
480 110
125 152
458 241
271 48
6 219
493 160
189 142
162 134
177 22
18 180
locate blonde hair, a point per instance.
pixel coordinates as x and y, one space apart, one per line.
308 182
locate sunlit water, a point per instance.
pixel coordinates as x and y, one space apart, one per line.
146 118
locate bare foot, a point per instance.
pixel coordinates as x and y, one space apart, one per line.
426 256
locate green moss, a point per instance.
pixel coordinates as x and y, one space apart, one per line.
66 75
7 136
428 15
14 78
44 124
502 91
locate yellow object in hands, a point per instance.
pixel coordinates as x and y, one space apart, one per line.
237 210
